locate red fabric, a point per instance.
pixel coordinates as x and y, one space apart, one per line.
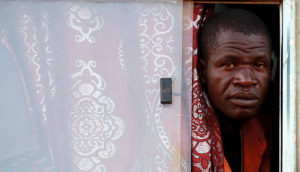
255 144
254 147
226 166
207 149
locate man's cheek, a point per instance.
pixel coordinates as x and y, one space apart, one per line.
264 85
221 81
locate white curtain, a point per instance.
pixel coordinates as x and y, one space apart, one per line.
80 90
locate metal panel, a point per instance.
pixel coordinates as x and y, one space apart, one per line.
289 87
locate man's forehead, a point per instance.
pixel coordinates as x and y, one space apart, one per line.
233 34
232 39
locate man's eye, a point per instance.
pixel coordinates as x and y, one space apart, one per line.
260 65
228 65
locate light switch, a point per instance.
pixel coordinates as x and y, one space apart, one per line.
165 90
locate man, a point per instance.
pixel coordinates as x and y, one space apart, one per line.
235 69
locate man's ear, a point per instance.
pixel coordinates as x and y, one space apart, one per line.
202 71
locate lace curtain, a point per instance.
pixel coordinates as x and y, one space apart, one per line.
80 86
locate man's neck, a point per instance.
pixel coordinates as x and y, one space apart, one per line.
231 141
229 126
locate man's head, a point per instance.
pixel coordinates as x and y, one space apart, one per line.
236 64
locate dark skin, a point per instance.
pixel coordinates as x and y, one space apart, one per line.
237 76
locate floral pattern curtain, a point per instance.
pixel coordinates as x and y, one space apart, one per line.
80 86
207 147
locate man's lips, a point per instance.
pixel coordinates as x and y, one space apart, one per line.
242 99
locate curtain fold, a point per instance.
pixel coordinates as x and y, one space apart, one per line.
207 148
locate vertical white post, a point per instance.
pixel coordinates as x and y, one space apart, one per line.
289 87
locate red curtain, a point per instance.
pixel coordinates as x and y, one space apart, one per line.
207 148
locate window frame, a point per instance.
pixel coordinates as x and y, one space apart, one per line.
289 91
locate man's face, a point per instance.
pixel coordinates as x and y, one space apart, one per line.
237 74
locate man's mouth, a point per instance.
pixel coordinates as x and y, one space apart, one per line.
246 100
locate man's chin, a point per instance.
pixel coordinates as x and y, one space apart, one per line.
242 114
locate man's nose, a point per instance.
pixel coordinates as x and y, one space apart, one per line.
244 77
